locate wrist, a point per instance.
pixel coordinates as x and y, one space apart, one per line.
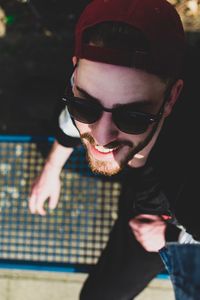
51 166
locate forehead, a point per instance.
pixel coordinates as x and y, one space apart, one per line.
117 83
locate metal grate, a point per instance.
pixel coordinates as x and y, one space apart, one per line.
76 231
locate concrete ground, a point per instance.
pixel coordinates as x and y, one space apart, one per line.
31 285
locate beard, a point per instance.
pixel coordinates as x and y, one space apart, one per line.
102 167
114 166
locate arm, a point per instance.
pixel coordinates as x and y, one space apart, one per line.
47 184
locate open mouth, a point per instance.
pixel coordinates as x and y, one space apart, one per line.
105 150
103 153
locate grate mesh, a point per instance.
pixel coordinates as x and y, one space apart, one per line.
76 231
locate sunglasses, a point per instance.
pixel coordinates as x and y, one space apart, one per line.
124 116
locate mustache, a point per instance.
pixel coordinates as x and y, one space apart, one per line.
110 145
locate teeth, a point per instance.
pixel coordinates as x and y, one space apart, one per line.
104 150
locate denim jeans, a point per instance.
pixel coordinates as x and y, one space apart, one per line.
182 262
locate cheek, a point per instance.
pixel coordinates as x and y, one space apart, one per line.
133 138
83 128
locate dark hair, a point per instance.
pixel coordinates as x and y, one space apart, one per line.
118 35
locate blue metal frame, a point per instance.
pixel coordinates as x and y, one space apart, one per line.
53 267
43 266
25 138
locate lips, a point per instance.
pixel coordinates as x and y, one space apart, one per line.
100 152
105 150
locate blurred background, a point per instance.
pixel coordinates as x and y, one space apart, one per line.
36 40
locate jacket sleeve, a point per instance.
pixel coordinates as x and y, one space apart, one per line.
66 132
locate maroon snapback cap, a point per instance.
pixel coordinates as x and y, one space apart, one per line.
158 20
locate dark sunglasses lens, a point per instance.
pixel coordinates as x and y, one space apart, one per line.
83 111
131 123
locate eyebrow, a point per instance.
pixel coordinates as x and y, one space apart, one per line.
143 102
85 94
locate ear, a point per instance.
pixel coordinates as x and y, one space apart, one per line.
74 60
174 95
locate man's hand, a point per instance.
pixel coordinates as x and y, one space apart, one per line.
149 231
46 186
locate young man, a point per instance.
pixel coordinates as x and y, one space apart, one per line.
126 80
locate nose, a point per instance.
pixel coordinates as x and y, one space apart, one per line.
104 131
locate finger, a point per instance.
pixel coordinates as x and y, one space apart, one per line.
141 230
135 228
144 229
53 200
137 224
133 224
32 203
40 205
54 197
148 217
137 236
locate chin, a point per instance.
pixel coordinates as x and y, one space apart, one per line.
104 167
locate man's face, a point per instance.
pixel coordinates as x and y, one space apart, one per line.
108 148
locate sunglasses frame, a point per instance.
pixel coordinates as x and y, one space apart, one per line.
151 118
